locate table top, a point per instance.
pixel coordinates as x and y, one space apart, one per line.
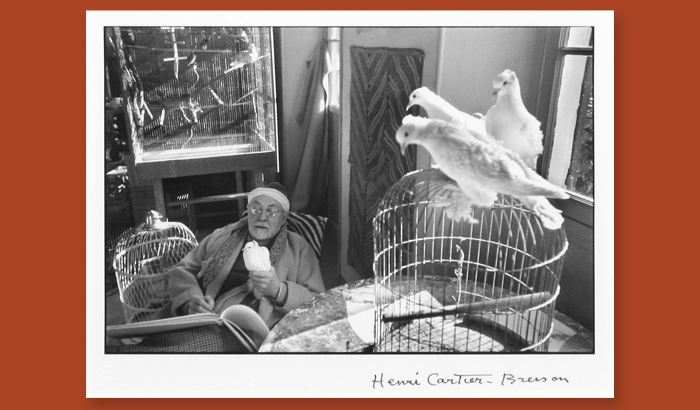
341 320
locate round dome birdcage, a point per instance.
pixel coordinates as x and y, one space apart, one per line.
448 286
142 258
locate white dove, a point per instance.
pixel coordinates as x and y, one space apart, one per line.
481 170
244 57
256 257
510 122
439 109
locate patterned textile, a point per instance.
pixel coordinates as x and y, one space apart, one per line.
310 228
227 248
381 82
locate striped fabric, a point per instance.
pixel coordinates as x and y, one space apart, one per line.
310 228
381 82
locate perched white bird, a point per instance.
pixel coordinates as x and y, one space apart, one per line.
244 57
439 109
256 257
510 122
480 169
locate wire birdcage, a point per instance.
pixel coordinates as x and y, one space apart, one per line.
142 258
448 286
189 99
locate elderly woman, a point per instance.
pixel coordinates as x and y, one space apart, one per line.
214 275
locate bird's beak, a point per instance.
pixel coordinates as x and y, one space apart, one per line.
403 148
496 90
409 106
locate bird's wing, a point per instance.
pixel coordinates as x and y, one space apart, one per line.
549 216
533 134
438 108
526 178
490 166
476 126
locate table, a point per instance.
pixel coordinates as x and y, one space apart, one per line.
331 321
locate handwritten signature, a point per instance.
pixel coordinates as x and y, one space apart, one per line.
436 379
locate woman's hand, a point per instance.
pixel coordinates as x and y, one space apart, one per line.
200 304
266 282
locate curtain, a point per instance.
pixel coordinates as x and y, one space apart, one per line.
309 190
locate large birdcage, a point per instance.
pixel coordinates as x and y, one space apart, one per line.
198 92
447 286
142 258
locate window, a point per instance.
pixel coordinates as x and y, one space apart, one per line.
333 38
570 160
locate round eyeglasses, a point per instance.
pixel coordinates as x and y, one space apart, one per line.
271 212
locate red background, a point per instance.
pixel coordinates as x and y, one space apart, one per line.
44 205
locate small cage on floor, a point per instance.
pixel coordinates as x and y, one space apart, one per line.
447 286
142 258
198 92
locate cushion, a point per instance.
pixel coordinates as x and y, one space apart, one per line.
310 228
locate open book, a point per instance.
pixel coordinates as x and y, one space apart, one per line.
236 318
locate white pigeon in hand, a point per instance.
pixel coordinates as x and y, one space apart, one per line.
510 122
256 257
438 108
480 169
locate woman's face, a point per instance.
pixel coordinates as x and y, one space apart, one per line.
263 227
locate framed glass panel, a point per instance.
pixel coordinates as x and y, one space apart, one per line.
571 164
580 37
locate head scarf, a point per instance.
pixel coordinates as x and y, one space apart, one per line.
273 190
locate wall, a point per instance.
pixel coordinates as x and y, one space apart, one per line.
576 297
473 57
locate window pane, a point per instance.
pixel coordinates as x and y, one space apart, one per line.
580 37
580 177
571 165
333 36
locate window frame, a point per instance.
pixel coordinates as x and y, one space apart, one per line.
579 207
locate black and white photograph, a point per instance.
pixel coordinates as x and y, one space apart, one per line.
402 204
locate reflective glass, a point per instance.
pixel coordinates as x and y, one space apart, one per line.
580 37
571 165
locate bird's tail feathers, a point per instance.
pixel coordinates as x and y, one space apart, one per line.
549 216
530 188
553 191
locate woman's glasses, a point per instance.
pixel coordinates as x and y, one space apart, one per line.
271 212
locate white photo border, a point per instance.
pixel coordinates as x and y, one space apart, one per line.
348 375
